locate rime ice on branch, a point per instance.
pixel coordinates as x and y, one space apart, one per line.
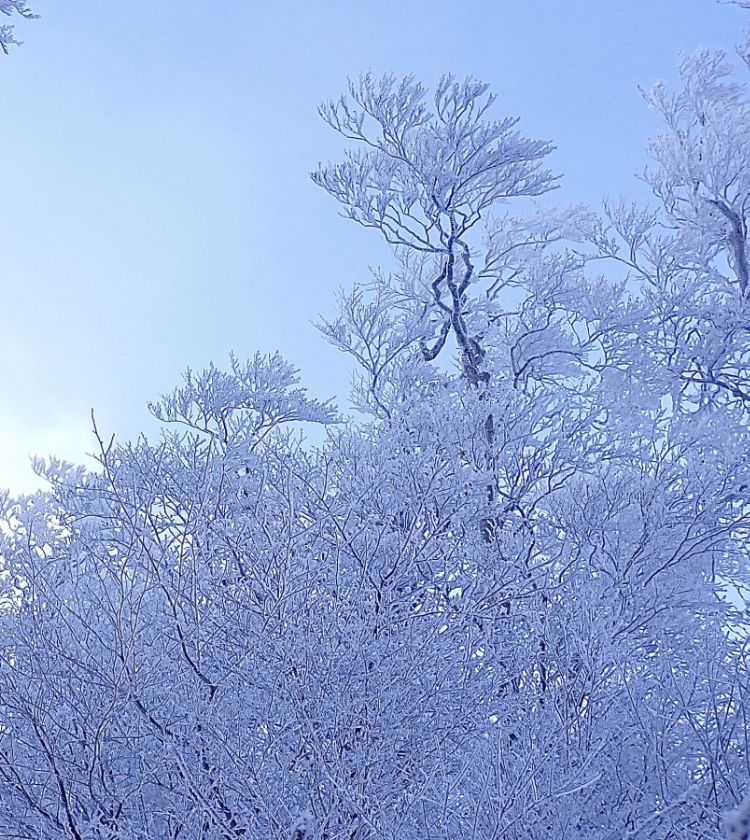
424 176
9 7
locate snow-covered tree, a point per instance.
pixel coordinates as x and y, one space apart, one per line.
631 492
425 179
507 602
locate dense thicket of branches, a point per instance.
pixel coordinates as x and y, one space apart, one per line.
509 603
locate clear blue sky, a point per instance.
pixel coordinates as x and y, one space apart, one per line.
156 205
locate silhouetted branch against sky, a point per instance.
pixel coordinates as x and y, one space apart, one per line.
7 31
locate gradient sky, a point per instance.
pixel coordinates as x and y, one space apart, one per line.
156 206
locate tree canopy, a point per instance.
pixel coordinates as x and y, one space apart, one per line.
506 600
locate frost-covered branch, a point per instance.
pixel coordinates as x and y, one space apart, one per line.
7 31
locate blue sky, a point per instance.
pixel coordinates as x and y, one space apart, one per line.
156 206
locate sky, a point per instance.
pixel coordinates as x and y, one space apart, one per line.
156 206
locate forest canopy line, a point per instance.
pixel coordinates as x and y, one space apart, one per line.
508 600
